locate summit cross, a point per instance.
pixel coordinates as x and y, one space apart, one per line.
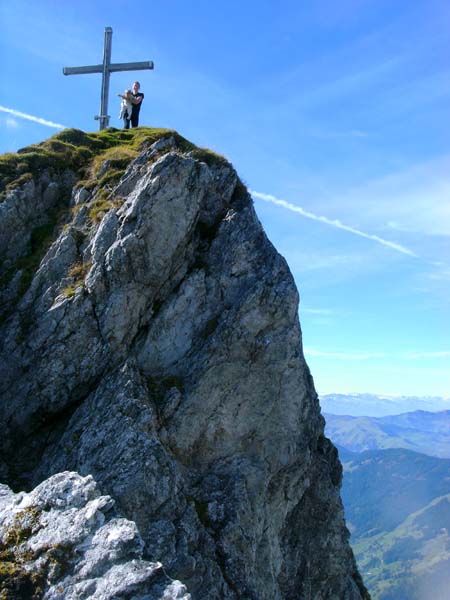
106 69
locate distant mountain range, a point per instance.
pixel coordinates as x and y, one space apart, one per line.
373 405
397 505
420 431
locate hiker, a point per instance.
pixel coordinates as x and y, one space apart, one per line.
136 101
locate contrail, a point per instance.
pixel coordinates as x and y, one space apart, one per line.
22 115
333 222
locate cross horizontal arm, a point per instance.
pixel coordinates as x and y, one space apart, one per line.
112 68
83 70
134 66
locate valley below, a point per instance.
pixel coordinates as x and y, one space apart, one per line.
396 495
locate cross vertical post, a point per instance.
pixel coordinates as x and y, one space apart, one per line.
104 117
106 69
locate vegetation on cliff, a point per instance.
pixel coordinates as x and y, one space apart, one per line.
85 153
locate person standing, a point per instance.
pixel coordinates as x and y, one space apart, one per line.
136 101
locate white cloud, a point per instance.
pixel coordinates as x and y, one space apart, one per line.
39 120
11 123
311 261
343 355
441 274
332 222
331 135
371 355
365 75
413 200
317 311
425 355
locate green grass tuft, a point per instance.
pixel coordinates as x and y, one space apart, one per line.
77 273
101 206
209 157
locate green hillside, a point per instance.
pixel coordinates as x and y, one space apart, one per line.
412 562
383 487
397 506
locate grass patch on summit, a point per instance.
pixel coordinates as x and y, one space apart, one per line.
80 152
209 157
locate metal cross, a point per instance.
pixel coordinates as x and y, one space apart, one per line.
106 69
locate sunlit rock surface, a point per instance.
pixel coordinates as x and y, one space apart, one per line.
64 540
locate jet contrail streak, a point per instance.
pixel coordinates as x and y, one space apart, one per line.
332 222
22 115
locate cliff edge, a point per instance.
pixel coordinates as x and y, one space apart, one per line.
150 339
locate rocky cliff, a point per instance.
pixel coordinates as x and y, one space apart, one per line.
150 339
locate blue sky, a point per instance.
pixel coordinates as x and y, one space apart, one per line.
336 114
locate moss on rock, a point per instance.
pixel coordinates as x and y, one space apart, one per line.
16 580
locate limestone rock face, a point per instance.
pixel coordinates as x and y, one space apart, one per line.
65 538
173 373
